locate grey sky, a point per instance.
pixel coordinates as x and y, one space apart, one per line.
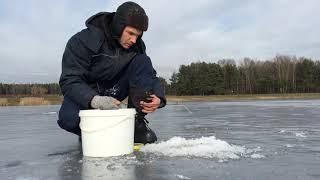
33 33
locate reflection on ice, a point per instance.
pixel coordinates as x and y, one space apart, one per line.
204 147
109 168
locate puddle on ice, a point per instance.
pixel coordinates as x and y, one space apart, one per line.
204 147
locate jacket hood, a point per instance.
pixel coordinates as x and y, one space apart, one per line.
98 20
102 22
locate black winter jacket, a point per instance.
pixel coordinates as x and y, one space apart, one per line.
92 56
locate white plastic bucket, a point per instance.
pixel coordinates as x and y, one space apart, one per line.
107 132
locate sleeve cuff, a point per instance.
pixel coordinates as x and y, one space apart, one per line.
163 102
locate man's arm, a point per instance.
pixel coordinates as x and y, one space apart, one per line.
158 99
75 65
158 90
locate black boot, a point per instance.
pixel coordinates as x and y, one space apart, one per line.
142 132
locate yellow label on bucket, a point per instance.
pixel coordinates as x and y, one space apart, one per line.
137 146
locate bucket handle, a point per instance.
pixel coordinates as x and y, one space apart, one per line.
90 131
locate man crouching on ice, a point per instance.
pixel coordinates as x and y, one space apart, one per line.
106 63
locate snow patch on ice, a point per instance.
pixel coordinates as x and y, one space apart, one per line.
282 131
296 132
289 145
182 176
257 156
297 114
301 134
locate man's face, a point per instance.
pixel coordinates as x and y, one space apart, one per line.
129 36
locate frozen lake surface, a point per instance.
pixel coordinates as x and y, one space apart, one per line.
245 140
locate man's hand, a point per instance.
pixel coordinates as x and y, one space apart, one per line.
152 104
104 102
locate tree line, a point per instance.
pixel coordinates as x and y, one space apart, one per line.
30 89
281 74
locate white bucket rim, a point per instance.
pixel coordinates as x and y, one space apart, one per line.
106 113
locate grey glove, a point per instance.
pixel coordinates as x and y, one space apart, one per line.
103 102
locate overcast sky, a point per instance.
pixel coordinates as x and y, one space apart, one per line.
33 33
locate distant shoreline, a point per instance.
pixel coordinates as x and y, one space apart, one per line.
23 100
244 97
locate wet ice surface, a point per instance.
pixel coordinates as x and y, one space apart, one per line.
207 140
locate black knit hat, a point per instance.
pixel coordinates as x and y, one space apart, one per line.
129 14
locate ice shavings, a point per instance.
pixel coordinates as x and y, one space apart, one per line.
204 147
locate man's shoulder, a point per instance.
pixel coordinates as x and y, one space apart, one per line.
143 46
90 37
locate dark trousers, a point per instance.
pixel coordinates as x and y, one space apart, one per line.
138 74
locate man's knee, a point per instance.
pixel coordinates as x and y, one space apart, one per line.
141 72
69 117
140 66
68 120
141 60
